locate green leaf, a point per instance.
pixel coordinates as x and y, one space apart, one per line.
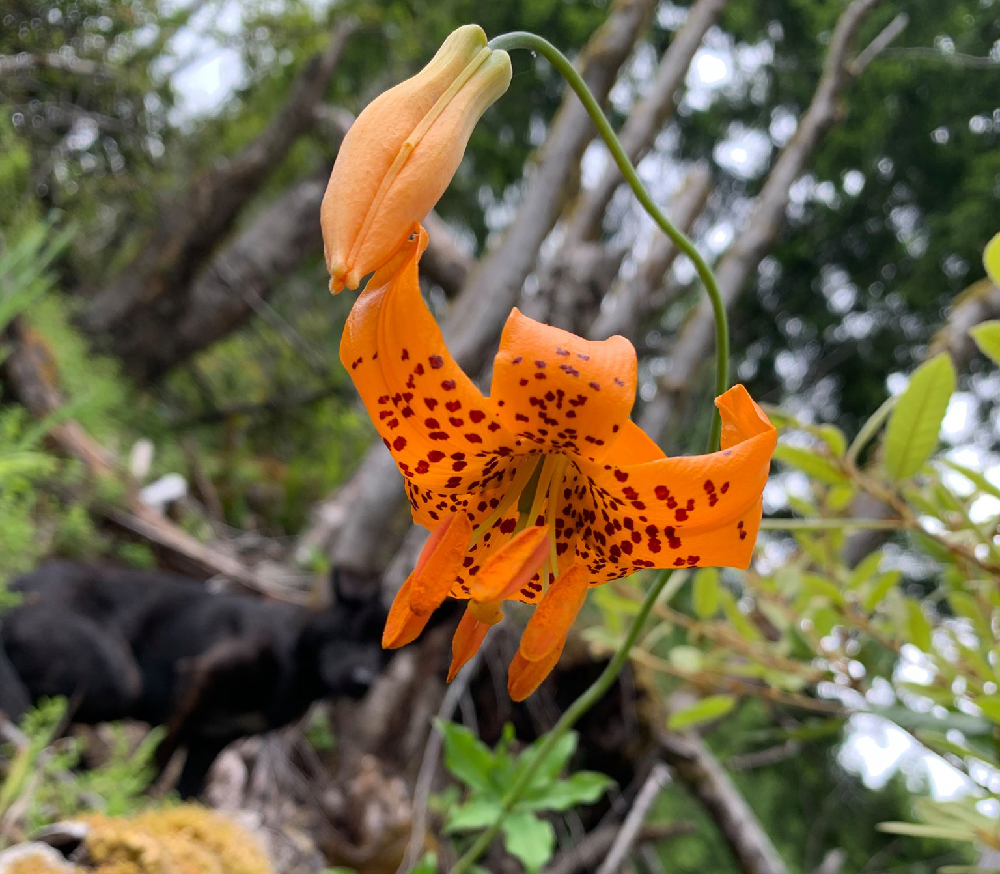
991 259
705 710
427 865
474 814
881 588
990 705
913 830
912 432
736 616
822 587
705 596
974 476
965 605
530 839
687 658
810 462
557 759
865 569
467 757
583 787
918 628
834 438
987 337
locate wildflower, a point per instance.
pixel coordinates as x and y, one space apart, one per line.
401 152
545 488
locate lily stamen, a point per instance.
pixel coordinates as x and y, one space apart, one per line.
517 485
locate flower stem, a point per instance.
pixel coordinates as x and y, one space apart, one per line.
582 704
520 39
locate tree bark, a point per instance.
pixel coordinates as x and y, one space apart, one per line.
693 764
630 300
132 315
694 342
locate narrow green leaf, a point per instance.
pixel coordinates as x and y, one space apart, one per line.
965 605
882 587
991 259
918 628
913 830
974 476
687 658
822 587
810 462
705 710
865 569
834 438
912 432
990 705
705 595
736 616
529 839
987 337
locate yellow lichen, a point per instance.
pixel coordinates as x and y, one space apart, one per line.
187 839
36 864
180 840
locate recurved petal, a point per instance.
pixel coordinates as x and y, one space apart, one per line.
439 564
553 617
689 511
511 566
741 417
562 392
525 676
442 432
402 626
469 636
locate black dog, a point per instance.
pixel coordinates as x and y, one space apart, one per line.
212 667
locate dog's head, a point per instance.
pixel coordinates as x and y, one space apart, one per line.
345 639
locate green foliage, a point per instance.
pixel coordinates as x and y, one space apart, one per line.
487 776
991 259
35 517
987 337
45 779
705 710
912 432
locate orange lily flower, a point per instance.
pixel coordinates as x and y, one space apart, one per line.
545 487
401 152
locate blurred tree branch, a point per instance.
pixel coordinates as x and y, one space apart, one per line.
131 313
693 344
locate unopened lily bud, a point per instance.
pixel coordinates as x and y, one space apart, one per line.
400 154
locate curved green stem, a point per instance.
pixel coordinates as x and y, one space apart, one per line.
582 704
524 40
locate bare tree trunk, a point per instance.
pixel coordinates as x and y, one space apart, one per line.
134 313
582 270
630 300
648 117
495 284
693 344
693 764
